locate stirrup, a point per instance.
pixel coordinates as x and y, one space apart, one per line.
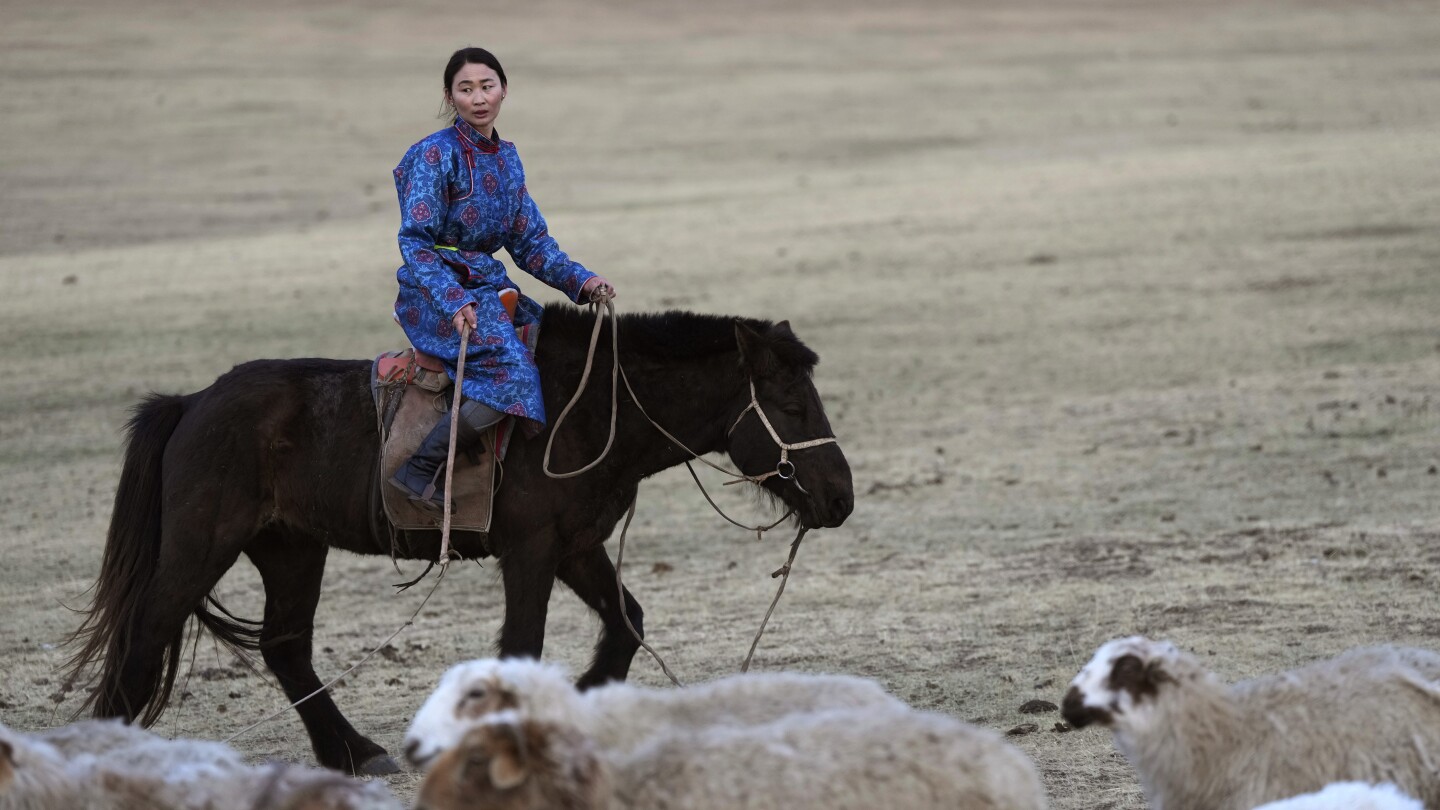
425 500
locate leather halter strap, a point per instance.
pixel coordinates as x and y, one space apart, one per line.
784 468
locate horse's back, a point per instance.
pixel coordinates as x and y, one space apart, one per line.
289 438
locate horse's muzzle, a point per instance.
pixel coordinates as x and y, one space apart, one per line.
826 513
840 508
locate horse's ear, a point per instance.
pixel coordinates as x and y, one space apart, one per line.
755 352
782 330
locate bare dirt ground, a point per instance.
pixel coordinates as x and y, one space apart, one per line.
1127 314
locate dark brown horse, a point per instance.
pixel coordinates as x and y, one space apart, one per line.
277 460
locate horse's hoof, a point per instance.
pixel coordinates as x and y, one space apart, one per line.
378 765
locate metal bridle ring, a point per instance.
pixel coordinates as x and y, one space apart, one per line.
785 469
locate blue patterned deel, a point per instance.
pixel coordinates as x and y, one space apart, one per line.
463 197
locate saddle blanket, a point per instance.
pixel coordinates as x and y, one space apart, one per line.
412 392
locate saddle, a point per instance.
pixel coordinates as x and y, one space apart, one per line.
412 391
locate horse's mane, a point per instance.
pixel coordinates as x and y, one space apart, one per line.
676 334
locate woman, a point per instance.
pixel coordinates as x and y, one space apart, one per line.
462 197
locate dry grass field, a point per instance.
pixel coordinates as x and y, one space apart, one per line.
1127 314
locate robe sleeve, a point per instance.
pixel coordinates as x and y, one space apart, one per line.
534 250
421 185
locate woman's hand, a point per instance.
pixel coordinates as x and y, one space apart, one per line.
597 289
465 317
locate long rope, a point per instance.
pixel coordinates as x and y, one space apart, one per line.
759 530
620 586
784 573
609 307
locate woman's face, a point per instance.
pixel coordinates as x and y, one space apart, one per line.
477 93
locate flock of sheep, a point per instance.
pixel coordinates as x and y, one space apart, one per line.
1360 731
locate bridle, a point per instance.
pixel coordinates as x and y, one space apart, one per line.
784 469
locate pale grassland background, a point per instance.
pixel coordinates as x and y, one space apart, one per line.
1127 314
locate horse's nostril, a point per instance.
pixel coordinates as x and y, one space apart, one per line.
412 750
841 506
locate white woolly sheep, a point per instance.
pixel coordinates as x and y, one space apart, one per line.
32 774
618 717
1349 796
840 759
1371 714
108 764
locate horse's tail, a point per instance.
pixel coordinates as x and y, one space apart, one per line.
132 548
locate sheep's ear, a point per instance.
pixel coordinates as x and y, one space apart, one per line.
1139 678
507 772
504 755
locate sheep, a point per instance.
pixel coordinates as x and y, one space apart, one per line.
838 759
509 762
1370 714
1349 796
32 774
107 764
619 717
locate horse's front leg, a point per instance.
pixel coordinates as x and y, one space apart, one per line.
528 572
591 576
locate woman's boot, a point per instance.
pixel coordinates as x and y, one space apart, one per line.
422 477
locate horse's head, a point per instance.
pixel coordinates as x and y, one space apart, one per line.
779 430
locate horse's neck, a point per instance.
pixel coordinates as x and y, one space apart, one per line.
693 399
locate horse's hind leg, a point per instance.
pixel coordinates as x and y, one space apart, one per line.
144 656
292 569
591 576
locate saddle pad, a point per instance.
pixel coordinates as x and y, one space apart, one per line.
408 406
472 484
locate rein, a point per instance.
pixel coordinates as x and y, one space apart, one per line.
450 457
784 469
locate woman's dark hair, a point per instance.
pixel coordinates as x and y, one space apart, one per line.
469 56
472 56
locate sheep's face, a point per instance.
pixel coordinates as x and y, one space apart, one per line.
473 690
506 763
1117 688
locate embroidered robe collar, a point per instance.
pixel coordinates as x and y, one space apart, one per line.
473 135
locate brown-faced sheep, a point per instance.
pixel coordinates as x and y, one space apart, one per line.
843 759
506 762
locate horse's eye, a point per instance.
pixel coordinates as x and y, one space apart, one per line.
477 693
792 410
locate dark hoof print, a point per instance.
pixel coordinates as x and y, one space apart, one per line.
378 765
